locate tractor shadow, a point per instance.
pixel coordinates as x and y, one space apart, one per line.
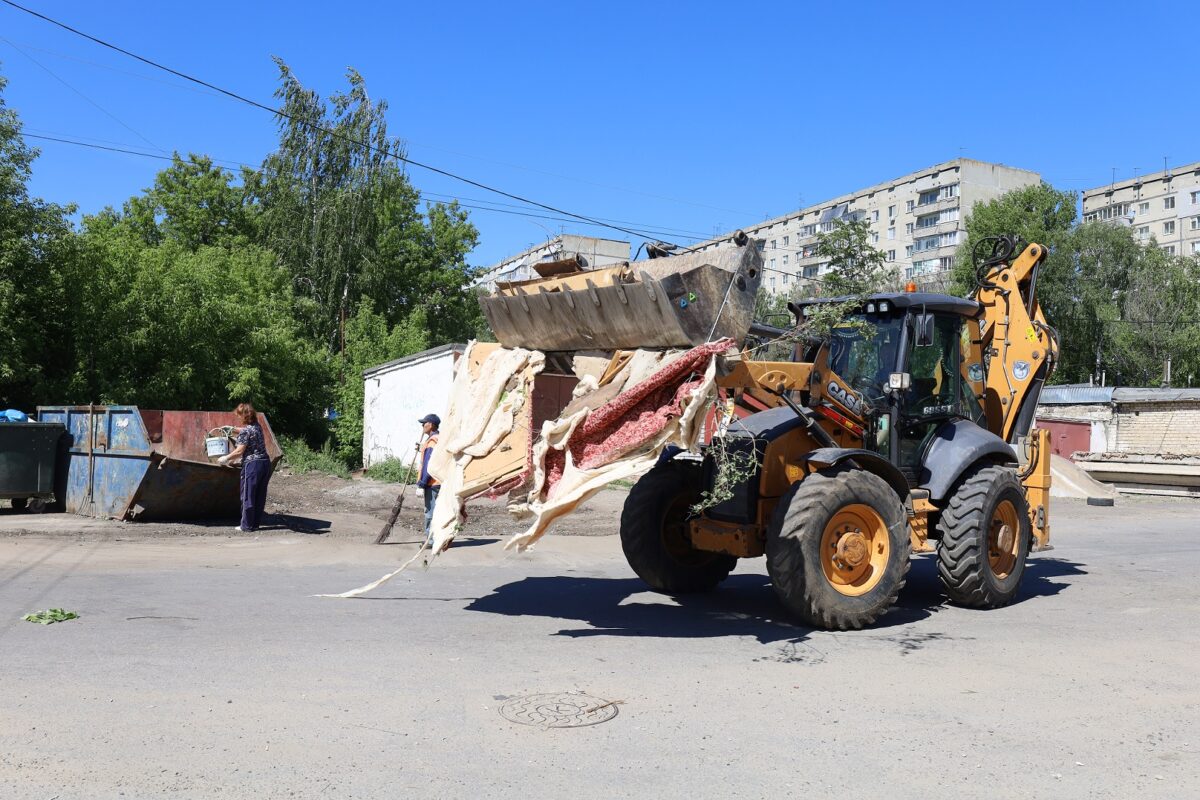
743 605
923 589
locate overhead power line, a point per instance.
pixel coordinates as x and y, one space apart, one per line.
463 202
281 113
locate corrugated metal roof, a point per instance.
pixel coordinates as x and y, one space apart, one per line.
433 351
1130 395
1082 394
1072 394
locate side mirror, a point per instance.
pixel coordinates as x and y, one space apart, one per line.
899 381
923 324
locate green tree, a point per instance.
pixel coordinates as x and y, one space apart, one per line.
856 267
1159 314
195 203
35 242
344 219
1039 214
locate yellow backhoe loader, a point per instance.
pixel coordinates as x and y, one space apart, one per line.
907 428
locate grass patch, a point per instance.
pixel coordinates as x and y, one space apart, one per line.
301 459
393 470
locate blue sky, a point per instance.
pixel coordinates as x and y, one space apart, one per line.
688 118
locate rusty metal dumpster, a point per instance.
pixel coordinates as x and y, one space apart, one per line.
137 464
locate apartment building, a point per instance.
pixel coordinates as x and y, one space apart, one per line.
917 220
1163 208
594 253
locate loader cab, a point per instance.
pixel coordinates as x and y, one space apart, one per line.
904 354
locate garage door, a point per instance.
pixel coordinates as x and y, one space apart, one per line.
1067 438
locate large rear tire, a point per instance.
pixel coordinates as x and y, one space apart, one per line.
838 548
654 532
985 538
19 503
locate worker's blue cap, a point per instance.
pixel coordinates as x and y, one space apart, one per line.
434 418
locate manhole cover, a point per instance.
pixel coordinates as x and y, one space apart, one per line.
561 710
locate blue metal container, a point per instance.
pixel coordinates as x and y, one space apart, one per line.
130 463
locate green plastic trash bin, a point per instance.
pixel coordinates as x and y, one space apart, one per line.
29 453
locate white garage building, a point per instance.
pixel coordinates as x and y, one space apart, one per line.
398 393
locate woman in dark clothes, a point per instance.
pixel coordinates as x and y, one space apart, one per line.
256 467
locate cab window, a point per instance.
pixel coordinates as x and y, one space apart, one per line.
935 374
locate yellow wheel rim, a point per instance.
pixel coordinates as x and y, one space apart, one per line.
855 549
1003 541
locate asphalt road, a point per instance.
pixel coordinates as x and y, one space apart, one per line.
204 668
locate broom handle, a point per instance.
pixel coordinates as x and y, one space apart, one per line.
386 531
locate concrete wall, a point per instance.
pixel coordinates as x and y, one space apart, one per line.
597 253
900 231
1158 428
1143 203
396 397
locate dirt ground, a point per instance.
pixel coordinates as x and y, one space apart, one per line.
315 503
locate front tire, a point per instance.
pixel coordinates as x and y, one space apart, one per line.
985 538
654 532
838 548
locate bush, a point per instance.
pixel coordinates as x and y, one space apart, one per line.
301 459
392 471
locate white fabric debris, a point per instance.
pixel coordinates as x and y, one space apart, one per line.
643 409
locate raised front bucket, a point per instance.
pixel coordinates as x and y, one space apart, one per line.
678 301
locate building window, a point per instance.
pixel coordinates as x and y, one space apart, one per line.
785 244
908 251
1143 208
891 255
826 227
950 191
1169 226
875 237
761 245
785 261
875 213
891 210
1169 249
925 198
1195 247
810 271
772 244
912 203
1143 232
908 228
1169 202
927 221
947 262
1195 223
772 263
785 278
772 283
891 233
808 230
1195 198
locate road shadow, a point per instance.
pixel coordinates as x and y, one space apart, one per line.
293 522
923 589
743 605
